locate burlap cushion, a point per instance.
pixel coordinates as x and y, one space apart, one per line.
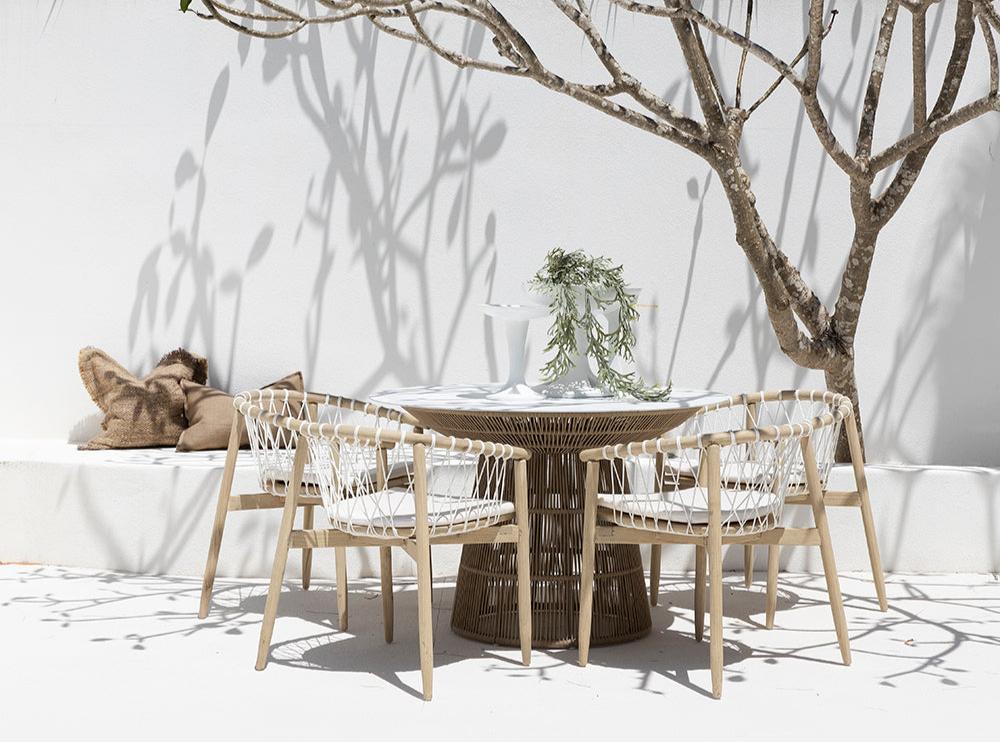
139 413
209 413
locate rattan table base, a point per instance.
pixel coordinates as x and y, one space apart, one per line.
485 606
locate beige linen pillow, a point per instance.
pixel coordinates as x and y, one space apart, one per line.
139 413
209 414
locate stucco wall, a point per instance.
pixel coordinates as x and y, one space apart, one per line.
341 203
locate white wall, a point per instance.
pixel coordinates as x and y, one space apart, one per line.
341 203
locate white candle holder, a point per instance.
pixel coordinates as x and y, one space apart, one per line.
515 318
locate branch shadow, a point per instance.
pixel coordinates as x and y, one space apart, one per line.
393 218
907 641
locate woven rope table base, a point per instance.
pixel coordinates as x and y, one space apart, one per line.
485 606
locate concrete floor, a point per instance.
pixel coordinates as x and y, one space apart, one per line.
116 656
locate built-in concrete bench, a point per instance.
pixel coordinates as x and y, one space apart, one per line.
142 510
150 511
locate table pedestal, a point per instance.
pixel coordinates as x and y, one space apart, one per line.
485 606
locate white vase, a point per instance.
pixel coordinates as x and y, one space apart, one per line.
515 318
580 381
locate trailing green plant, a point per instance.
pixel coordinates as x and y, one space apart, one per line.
579 286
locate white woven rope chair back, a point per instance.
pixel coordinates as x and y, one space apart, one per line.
273 444
768 409
663 484
465 484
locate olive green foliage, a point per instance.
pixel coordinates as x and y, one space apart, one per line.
578 287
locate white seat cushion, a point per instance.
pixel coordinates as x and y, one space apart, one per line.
395 508
738 473
309 476
691 505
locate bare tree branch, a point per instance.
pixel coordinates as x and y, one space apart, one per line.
817 33
914 148
982 11
705 85
456 58
866 130
645 8
743 58
625 82
815 42
919 53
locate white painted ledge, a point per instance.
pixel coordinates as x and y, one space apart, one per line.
150 511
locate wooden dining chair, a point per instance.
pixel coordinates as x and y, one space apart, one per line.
459 491
798 495
723 484
777 412
274 450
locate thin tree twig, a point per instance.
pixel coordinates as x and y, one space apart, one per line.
737 101
798 58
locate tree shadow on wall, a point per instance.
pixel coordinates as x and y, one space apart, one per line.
962 361
958 374
365 138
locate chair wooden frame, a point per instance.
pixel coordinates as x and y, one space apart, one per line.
229 502
415 542
709 540
856 498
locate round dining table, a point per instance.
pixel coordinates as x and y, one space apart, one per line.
555 431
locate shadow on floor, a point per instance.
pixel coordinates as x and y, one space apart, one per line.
142 610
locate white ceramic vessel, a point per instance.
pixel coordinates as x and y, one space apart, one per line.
516 318
580 381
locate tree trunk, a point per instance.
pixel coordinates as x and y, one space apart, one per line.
842 380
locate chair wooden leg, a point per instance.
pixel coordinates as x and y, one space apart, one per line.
524 598
280 557
273 595
715 609
836 601
861 482
340 555
307 554
713 543
826 549
425 611
425 619
214 547
773 552
655 552
587 562
878 574
523 562
747 565
385 571
699 592
221 511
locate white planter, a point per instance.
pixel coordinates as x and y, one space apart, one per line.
515 318
580 380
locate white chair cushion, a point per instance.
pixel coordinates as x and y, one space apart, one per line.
309 476
395 508
737 473
691 505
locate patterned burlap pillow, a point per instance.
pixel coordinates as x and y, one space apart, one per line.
139 413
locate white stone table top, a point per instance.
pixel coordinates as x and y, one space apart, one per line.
489 398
